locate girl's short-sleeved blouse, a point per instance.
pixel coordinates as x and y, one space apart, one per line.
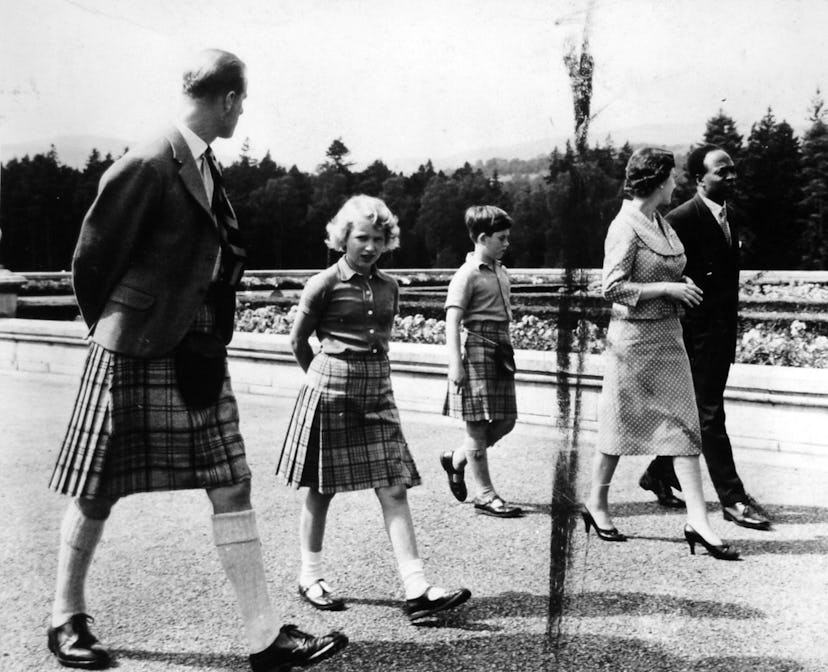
353 312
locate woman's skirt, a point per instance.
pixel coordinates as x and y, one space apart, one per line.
344 433
486 393
647 404
131 431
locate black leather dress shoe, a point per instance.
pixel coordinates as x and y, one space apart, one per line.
319 595
74 646
662 491
746 514
294 648
424 607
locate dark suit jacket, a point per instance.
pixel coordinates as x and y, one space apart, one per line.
146 251
714 267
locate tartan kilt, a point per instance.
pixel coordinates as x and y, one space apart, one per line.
486 393
344 433
131 431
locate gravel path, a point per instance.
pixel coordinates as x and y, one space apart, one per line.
162 603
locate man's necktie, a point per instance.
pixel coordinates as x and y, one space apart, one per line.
233 254
725 226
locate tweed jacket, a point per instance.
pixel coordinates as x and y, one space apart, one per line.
146 252
714 267
639 251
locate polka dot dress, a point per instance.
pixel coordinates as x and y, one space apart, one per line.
647 404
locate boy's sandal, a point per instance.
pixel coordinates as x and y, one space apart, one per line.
319 595
498 508
456 482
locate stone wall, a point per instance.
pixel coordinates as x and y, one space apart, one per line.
778 409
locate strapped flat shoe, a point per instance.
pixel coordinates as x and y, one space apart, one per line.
498 508
456 483
610 534
318 595
424 606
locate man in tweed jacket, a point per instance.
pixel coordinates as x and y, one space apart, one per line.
157 262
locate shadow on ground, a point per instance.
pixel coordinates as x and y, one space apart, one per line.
489 654
592 653
608 604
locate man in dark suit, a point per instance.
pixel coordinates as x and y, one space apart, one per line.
155 270
709 229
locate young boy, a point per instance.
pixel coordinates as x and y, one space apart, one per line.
481 385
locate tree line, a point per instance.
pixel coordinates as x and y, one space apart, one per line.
783 189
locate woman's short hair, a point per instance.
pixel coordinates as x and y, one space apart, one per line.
647 168
486 219
361 208
212 73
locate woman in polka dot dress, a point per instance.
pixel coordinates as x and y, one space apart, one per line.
647 404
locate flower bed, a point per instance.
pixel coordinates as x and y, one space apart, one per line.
769 344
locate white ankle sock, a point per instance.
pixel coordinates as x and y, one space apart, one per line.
311 570
240 552
79 536
413 576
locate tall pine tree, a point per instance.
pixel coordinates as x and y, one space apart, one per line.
812 208
770 185
721 130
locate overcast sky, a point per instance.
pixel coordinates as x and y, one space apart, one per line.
408 79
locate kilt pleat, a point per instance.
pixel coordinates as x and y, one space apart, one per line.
486 394
345 422
131 431
88 424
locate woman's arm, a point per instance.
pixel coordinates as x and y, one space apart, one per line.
619 258
454 316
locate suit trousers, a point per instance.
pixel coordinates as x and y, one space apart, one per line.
710 365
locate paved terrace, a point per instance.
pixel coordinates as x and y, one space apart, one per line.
162 603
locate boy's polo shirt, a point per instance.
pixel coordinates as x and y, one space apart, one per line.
481 291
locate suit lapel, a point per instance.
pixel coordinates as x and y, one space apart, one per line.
188 171
708 221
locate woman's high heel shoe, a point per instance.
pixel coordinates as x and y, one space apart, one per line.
607 535
722 552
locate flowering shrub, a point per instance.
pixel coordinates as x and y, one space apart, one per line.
528 333
793 346
761 344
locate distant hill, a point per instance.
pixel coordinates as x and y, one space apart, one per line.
72 150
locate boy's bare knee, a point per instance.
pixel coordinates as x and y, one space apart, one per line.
97 508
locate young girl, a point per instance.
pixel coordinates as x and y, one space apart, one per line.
481 390
345 432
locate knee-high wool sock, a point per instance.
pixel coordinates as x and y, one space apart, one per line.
79 536
240 552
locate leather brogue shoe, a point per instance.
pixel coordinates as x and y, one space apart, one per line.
74 646
318 595
294 648
662 491
746 514
425 606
